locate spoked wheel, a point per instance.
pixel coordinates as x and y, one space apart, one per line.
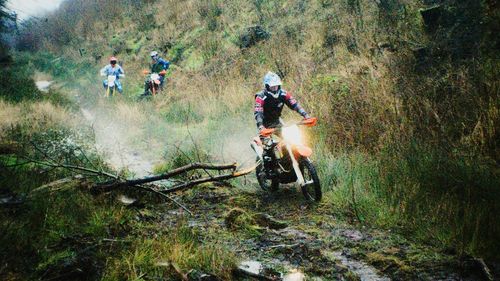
265 183
312 187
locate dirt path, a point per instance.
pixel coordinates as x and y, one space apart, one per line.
284 237
113 142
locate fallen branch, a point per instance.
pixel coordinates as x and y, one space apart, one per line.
206 166
9 147
55 185
207 179
72 167
484 269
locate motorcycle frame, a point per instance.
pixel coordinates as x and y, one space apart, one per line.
289 147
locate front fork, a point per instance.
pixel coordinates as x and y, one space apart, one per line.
296 168
108 91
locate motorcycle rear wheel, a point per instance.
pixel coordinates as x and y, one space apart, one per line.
312 191
265 183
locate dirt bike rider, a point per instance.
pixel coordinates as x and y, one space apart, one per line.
269 104
113 69
157 66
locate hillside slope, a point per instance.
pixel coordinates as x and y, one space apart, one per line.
406 91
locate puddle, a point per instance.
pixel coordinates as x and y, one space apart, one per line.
253 267
363 270
258 270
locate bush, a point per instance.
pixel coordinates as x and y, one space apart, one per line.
17 85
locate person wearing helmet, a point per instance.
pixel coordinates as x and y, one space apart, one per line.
158 65
113 69
270 101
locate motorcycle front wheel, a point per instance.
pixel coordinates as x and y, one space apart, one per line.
265 183
312 188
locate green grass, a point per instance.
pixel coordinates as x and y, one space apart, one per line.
179 247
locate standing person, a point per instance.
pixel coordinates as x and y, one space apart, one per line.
159 66
113 69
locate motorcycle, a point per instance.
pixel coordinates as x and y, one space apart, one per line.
111 88
285 159
153 83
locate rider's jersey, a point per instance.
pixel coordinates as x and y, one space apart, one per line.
110 70
268 107
160 65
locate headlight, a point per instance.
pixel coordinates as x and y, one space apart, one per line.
292 134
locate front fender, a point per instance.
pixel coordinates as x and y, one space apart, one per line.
302 150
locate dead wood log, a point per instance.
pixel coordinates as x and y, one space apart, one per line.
9 147
56 185
208 179
106 186
484 269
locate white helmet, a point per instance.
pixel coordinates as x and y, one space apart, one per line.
271 79
154 54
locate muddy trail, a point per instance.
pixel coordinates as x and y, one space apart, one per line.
281 237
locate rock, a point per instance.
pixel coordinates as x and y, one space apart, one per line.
293 234
421 54
126 200
252 35
294 276
232 217
353 235
432 16
386 46
43 85
266 220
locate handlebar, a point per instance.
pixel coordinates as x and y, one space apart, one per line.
309 122
162 73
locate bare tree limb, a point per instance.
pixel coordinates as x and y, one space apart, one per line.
54 185
167 175
72 167
208 179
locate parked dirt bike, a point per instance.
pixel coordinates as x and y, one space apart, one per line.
111 88
286 160
153 82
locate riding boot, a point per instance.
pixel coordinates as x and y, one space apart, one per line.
269 165
146 90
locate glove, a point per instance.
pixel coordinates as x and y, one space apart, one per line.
306 116
261 127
